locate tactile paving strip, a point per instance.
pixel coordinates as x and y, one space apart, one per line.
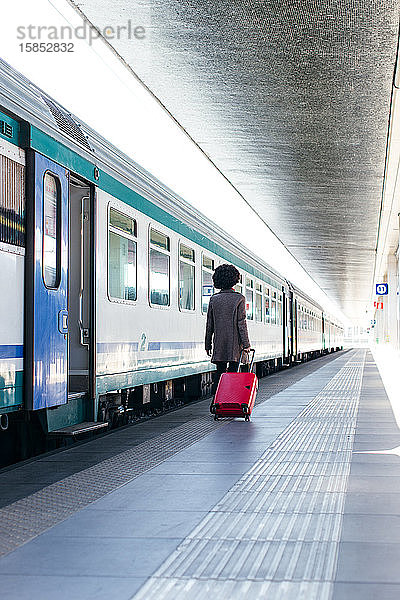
275 533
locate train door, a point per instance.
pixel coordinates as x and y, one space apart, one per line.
286 328
46 284
80 333
58 285
294 328
290 325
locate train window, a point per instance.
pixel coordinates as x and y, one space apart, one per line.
239 286
249 299
12 202
51 231
186 277
259 303
186 252
279 315
122 222
266 306
208 263
273 312
207 286
159 239
159 273
121 256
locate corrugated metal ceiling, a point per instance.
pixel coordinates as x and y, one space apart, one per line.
290 99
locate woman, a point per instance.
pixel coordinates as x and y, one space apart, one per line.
226 329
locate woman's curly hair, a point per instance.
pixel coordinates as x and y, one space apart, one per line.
225 277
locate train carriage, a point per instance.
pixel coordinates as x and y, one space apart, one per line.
308 326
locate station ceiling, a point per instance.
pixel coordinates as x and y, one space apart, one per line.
290 100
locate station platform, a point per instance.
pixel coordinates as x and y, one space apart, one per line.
303 502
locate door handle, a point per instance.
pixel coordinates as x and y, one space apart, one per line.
63 321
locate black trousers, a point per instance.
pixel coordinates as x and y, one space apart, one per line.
222 367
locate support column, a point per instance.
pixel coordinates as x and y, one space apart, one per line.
391 323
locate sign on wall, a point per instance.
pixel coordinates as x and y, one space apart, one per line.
382 289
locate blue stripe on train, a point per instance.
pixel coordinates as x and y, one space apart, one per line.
11 351
172 345
108 347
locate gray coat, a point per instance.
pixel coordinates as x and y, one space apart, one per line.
226 321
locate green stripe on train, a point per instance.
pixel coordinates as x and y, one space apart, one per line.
11 395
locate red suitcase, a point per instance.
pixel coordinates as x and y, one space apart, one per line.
236 393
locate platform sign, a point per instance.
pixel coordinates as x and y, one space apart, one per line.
382 289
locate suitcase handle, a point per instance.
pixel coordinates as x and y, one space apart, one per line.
251 362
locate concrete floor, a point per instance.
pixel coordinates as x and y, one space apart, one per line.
303 501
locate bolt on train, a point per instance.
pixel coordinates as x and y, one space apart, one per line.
106 277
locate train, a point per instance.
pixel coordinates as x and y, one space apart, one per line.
106 277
